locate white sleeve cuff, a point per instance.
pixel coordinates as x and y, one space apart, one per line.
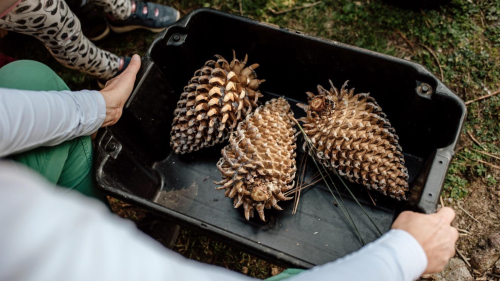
396 256
101 106
92 111
412 258
93 106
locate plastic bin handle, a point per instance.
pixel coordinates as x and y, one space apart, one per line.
434 184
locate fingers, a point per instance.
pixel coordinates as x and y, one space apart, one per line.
132 69
118 90
128 75
447 214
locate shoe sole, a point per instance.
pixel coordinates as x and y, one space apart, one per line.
102 35
119 29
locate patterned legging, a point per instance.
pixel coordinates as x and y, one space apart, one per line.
53 23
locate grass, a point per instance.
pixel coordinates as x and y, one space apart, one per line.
462 38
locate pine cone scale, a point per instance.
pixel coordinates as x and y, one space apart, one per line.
213 102
259 163
351 134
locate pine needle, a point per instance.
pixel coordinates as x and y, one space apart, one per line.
300 183
310 182
312 148
315 176
359 204
373 201
342 206
302 187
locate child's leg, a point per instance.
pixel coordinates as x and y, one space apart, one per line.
52 22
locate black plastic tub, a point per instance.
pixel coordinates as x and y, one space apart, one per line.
135 161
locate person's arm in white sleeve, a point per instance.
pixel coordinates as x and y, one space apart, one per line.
29 119
51 235
48 235
394 256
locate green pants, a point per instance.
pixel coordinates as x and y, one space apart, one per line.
68 164
285 274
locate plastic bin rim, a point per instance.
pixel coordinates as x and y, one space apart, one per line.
441 89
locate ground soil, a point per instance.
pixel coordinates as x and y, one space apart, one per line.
483 206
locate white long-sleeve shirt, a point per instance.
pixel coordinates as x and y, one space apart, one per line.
30 119
46 234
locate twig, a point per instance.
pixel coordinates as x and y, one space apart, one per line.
442 202
481 16
468 214
463 230
406 39
489 164
494 275
405 51
487 154
294 9
483 97
476 141
241 8
436 58
463 257
426 24
462 164
427 18
463 157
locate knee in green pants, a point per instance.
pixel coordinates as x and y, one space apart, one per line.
68 164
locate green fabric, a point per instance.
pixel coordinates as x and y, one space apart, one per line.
287 273
30 75
68 164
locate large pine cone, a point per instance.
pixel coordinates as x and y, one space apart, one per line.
352 134
218 96
258 164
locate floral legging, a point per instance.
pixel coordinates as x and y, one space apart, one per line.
53 23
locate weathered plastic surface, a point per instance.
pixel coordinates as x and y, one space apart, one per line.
135 161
